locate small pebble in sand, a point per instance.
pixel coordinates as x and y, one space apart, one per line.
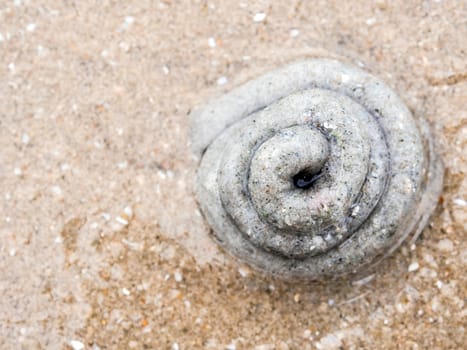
212 42
294 33
243 271
413 267
175 346
56 190
124 46
127 23
17 171
222 81
363 281
133 245
122 164
41 51
178 276
265 347
64 167
121 221
129 20
76 345
445 245
330 341
259 17
128 211
125 217
25 138
31 27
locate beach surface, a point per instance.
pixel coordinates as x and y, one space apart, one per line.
102 242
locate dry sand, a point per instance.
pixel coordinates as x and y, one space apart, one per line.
102 245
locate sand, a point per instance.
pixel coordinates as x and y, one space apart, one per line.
103 245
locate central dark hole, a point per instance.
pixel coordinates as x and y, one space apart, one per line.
306 178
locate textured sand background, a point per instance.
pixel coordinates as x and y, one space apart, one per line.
102 245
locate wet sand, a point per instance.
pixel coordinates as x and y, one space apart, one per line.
103 245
